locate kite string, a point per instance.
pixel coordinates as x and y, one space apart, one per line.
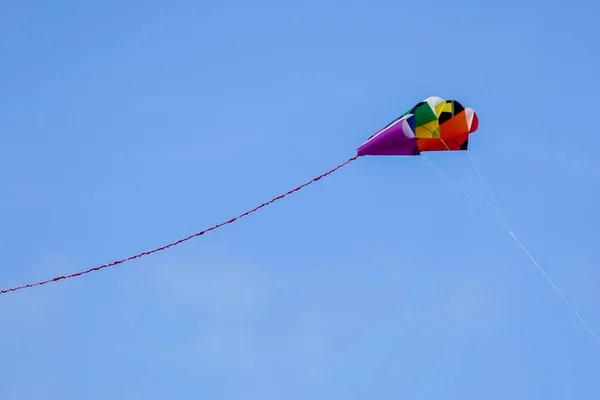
495 207
529 255
145 253
522 246
560 293
459 189
464 169
487 188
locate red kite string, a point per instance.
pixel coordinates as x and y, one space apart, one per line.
112 264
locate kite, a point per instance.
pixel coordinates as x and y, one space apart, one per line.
434 124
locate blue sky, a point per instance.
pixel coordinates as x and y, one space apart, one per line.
126 125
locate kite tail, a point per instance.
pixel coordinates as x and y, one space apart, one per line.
146 253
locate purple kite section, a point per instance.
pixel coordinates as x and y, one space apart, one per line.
390 141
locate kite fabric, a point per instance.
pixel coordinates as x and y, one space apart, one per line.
434 124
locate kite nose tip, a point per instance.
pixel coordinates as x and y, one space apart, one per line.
475 123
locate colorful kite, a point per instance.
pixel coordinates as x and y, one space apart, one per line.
434 124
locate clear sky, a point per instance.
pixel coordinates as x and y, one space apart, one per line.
126 125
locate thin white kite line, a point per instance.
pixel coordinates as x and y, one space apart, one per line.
495 208
459 189
522 246
488 190
534 261
470 176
